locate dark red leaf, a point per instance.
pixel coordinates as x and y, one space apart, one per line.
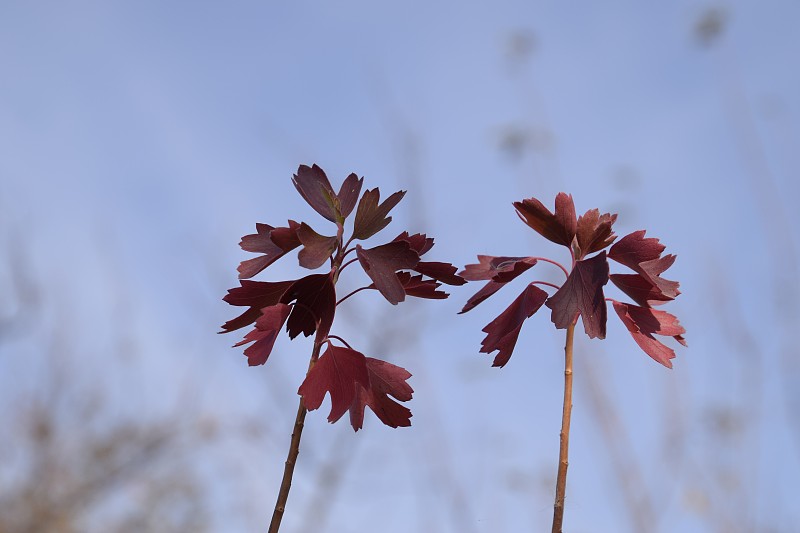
487 290
381 263
640 289
316 190
315 305
274 243
582 294
501 269
372 217
594 232
503 331
559 227
643 255
643 322
419 242
420 288
263 337
316 248
348 194
338 372
444 272
256 295
385 379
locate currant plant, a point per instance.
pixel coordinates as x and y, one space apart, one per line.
308 305
581 295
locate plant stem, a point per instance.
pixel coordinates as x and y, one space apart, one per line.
563 452
294 450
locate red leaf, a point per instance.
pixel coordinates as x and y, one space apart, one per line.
487 290
256 295
559 227
643 322
639 289
420 288
501 269
274 243
315 305
381 263
316 190
371 217
419 242
444 272
643 255
503 331
582 294
594 232
263 336
385 379
316 248
338 371
348 194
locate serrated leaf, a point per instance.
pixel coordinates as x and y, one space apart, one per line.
559 227
643 255
594 232
337 372
274 243
381 262
418 287
315 305
268 326
371 217
314 187
501 269
582 294
502 332
643 322
316 248
348 194
640 289
256 295
419 242
385 380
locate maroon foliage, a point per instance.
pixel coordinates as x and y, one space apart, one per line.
559 227
503 331
274 243
263 337
501 269
385 380
643 255
372 217
594 232
643 322
316 248
582 294
381 263
337 372
315 305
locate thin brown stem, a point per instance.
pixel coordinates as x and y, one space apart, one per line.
563 452
294 450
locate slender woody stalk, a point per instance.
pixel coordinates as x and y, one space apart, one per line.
294 450
563 453
299 422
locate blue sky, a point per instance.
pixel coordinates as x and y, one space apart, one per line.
140 141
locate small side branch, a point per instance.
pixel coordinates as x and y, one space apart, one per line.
563 453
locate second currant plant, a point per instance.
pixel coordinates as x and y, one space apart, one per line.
308 305
580 295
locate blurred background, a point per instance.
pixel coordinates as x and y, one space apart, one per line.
139 142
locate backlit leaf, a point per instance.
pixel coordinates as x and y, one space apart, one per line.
582 294
385 380
371 217
316 248
315 305
268 326
643 322
337 372
314 187
274 243
559 227
594 232
503 331
643 255
381 262
256 295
